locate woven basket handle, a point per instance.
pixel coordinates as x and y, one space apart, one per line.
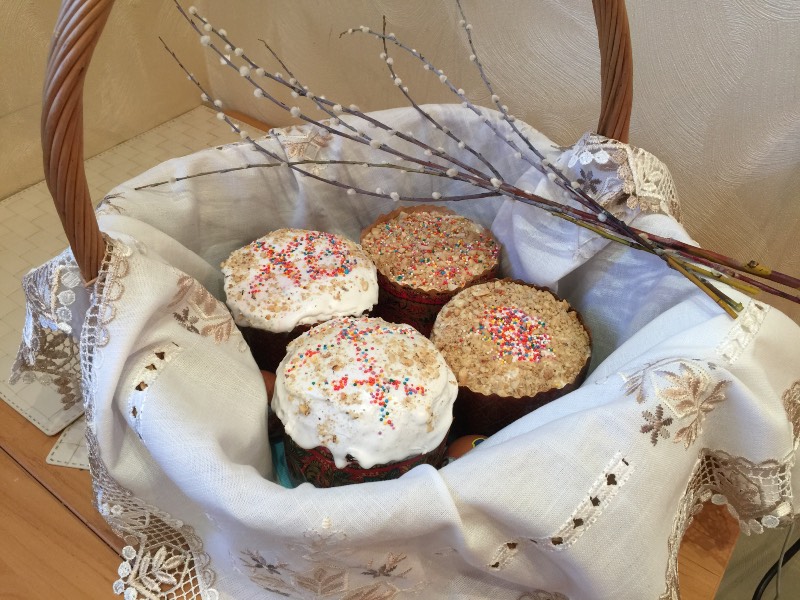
79 25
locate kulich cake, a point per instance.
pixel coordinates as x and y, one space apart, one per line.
290 279
362 399
513 348
424 256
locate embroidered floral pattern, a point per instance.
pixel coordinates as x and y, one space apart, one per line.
690 393
198 311
331 575
656 424
388 568
791 402
153 573
588 182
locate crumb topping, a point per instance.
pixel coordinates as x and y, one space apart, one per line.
431 251
510 339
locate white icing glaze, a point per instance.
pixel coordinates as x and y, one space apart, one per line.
297 277
377 391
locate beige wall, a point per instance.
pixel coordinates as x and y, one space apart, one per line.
717 88
131 87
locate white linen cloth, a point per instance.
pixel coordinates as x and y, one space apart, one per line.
585 498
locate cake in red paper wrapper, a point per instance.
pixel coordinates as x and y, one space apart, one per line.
283 283
361 400
513 347
425 255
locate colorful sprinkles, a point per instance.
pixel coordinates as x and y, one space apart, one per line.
308 256
371 378
435 251
515 333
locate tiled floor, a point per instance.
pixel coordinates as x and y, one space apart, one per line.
30 234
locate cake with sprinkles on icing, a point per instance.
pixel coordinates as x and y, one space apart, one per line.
513 348
290 279
425 255
362 399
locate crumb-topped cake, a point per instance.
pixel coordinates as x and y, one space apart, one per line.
297 277
368 391
511 340
430 248
424 255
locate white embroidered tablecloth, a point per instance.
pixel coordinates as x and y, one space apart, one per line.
587 497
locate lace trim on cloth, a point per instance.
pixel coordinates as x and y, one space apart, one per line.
621 177
791 402
164 558
758 495
49 352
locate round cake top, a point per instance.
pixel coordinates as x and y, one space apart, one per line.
511 339
376 391
430 248
294 277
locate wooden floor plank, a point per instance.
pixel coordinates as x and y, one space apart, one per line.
29 447
705 552
45 551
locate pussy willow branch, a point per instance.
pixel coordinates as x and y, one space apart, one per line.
389 61
684 249
363 138
709 258
475 177
598 219
475 59
460 93
351 189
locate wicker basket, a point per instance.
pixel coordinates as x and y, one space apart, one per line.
79 26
